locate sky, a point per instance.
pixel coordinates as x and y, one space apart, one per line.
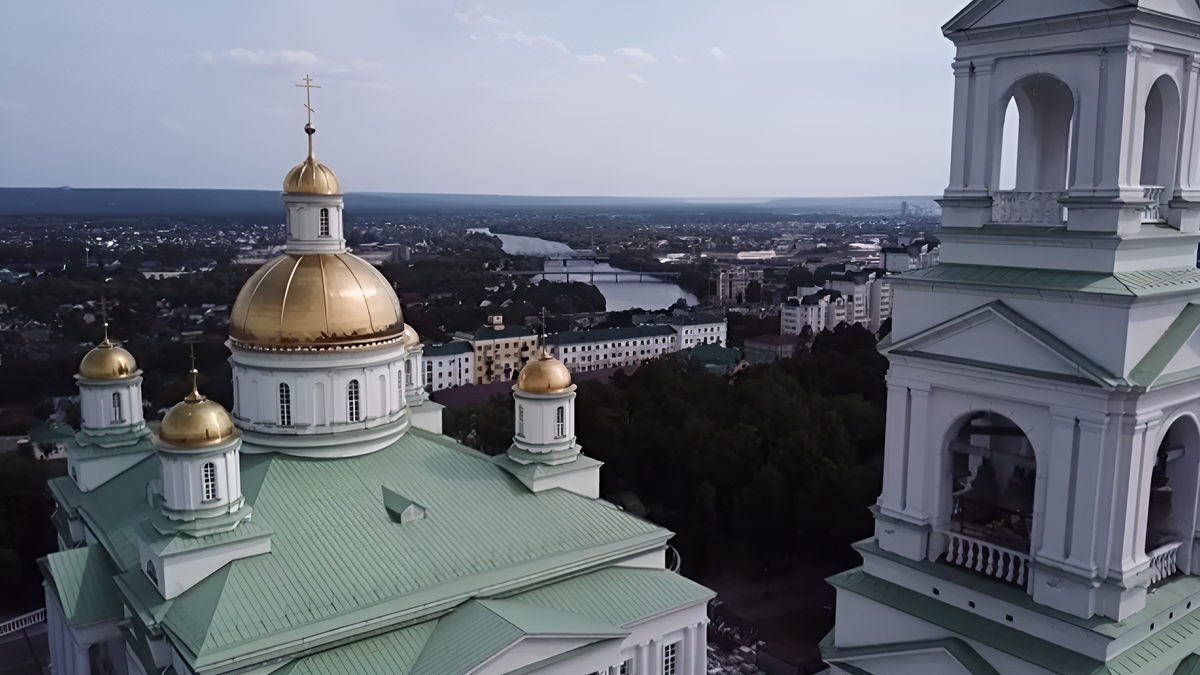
639 98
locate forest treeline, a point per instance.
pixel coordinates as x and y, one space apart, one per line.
779 463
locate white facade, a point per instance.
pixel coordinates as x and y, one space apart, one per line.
1042 424
448 365
712 332
107 406
612 347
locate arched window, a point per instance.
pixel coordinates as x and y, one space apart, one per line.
353 413
118 415
324 223
285 405
520 420
408 372
208 476
560 423
150 572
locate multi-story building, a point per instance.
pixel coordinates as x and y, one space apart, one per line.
819 310
699 329
728 283
1041 472
612 347
501 351
448 365
906 257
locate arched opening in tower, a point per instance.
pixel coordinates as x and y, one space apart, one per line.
993 474
1171 502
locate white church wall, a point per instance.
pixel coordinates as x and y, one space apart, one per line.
178 573
183 480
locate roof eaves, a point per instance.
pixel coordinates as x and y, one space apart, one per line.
1147 372
962 652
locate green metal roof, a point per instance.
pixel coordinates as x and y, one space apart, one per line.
83 578
113 510
171 544
1134 284
620 596
393 653
337 558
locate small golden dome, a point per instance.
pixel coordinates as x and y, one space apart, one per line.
107 361
313 178
196 422
411 339
316 299
544 375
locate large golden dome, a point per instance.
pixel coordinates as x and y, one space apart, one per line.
544 375
196 422
107 361
316 300
312 177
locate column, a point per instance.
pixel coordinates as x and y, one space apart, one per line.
1132 482
1087 519
1053 522
83 661
895 451
983 132
962 111
700 649
684 657
916 506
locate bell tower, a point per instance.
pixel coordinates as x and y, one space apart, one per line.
1042 457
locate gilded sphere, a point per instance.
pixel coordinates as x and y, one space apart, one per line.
107 362
313 178
313 300
544 375
411 339
196 422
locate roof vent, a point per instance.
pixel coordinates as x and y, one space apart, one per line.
401 509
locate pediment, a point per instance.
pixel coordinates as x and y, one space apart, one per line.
997 338
1176 354
990 13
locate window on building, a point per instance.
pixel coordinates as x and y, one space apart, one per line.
560 422
208 477
520 420
324 223
151 572
285 405
625 669
353 413
670 658
408 372
118 415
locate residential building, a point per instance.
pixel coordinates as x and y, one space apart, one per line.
449 365
327 526
728 283
612 347
697 329
1041 469
819 310
501 351
916 255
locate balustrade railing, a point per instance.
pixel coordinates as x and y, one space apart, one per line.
987 558
25 621
1027 208
1151 212
1163 562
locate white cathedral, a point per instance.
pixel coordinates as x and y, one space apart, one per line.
326 526
1042 462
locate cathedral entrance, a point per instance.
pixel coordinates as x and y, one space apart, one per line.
993 473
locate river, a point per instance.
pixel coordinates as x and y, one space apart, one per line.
618 296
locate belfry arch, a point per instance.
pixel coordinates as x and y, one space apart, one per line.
1046 108
1170 521
1160 140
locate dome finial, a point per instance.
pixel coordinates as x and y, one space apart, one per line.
104 319
195 396
308 127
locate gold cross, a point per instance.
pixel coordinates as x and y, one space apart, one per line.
308 87
104 316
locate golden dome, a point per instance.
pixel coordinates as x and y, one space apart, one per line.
196 422
313 178
107 361
411 339
544 375
317 299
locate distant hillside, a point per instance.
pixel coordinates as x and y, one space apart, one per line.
266 204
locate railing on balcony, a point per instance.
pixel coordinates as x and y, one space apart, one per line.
987 558
24 621
1163 562
1027 208
1151 212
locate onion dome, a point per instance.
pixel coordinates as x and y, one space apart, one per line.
311 177
196 422
107 361
411 339
544 375
316 300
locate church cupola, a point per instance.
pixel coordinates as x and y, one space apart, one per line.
313 198
544 453
414 387
199 468
114 435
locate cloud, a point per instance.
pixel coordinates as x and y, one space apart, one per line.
262 58
718 54
636 78
679 60
493 20
636 54
358 72
462 17
535 40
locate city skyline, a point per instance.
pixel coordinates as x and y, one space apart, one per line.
686 100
